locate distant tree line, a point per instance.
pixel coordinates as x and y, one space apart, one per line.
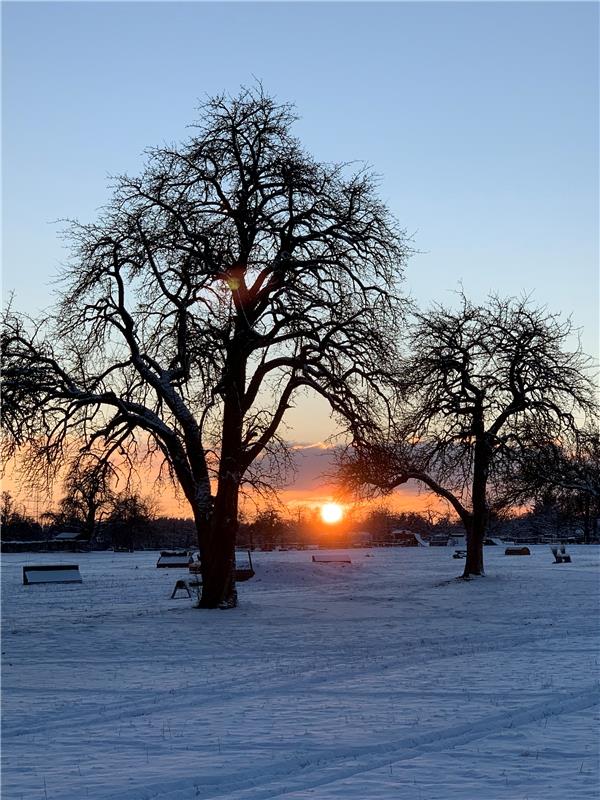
130 523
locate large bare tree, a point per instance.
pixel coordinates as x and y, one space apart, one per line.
232 274
477 389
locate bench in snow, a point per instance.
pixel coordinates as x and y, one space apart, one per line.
560 555
459 554
244 569
174 560
51 573
493 540
182 585
517 551
329 560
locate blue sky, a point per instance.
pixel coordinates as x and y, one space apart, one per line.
482 119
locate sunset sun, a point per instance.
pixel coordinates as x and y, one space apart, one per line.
331 513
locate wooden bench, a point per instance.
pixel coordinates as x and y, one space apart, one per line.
560 555
181 585
51 573
242 573
517 551
329 560
459 554
244 569
174 560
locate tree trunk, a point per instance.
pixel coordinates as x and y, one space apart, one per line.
475 537
90 522
218 571
586 520
218 556
477 525
218 576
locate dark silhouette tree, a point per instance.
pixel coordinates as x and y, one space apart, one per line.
232 274
478 388
88 494
128 520
565 473
268 529
15 523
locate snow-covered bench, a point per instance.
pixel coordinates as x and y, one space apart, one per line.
330 560
176 560
517 551
560 554
51 573
244 570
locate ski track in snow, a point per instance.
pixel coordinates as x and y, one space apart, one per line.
333 766
381 679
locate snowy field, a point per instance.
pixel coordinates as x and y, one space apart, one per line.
384 678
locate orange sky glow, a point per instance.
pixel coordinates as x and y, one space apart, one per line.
308 489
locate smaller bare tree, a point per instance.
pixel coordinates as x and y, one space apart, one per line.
128 519
568 471
478 388
88 493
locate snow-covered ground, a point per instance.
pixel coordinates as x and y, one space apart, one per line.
384 678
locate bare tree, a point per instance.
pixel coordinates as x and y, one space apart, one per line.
88 493
478 387
15 523
233 273
128 519
567 471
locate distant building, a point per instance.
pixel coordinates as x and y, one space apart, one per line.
69 540
69 536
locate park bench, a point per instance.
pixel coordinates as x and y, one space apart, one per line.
182 585
51 573
459 554
244 569
517 551
560 554
174 559
330 560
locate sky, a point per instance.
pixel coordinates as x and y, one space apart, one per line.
480 118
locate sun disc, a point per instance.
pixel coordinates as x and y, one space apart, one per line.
331 513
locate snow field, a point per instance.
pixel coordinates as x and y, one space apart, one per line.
385 678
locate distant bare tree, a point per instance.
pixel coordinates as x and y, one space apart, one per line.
479 387
568 471
7 508
87 493
15 522
128 519
233 273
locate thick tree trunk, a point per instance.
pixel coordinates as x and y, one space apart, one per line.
218 557
90 522
477 525
475 536
218 570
